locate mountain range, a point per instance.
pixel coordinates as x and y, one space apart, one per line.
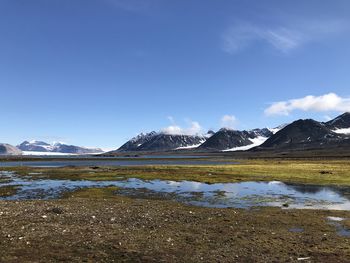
223 140
299 135
158 141
7 149
304 134
43 147
310 134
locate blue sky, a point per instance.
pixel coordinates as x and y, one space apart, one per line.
97 72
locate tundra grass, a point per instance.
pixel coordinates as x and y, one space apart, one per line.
8 191
321 172
106 192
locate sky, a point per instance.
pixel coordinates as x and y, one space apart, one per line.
98 72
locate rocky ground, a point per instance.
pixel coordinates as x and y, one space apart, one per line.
83 228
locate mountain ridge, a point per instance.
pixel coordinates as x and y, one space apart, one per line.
300 134
8 149
306 134
40 146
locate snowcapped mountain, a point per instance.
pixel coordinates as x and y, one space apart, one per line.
159 141
7 149
136 142
166 142
341 124
311 134
35 146
301 134
41 147
234 140
278 128
223 140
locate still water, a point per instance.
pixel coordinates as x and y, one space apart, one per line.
114 162
237 195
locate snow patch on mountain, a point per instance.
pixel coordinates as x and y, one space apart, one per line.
342 131
277 129
255 142
32 153
194 146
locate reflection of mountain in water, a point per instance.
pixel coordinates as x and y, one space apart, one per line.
306 189
344 191
314 189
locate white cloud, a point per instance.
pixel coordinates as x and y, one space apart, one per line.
173 129
324 103
285 38
194 128
228 121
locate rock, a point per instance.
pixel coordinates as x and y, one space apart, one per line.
56 210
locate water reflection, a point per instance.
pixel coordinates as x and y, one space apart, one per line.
242 195
340 228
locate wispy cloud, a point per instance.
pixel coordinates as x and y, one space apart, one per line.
284 37
171 119
324 103
193 128
228 121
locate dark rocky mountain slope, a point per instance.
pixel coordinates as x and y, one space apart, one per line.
303 134
340 122
136 142
226 139
161 142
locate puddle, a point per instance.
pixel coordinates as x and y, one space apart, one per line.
237 195
336 219
296 230
336 222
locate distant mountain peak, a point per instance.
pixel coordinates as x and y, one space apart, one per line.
302 134
56 147
36 142
340 122
227 139
7 149
160 141
226 129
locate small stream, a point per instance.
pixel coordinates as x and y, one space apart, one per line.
237 195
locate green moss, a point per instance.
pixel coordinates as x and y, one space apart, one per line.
8 191
322 172
107 192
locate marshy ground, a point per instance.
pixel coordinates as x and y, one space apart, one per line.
98 225
307 171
